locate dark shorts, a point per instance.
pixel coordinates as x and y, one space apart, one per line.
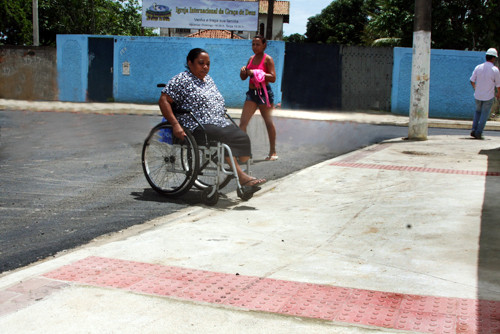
253 95
231 135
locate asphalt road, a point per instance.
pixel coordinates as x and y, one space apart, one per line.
67 178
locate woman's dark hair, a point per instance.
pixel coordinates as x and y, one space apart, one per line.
193 54
262 38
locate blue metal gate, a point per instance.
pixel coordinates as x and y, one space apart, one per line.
100 75
312 77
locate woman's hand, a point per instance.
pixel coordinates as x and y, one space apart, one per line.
178 131
166 110
245 73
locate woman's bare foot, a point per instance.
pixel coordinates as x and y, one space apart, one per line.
253 181
272 157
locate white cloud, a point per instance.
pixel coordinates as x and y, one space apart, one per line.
300 11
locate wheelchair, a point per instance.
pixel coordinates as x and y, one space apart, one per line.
173 166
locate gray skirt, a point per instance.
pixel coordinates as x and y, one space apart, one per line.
231 135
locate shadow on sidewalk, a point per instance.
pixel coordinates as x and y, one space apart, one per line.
489 243
191 198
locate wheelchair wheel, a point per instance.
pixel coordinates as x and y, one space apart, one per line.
207 199
208 171
245 193
170 164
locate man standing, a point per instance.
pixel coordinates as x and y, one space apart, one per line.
484 79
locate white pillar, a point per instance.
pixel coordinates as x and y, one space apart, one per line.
420 82
36 38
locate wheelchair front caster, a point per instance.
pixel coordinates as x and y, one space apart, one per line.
207 199
245 193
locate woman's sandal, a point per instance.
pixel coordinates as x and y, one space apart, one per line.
272 157
254 182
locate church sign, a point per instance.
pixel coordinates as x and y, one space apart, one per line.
200 14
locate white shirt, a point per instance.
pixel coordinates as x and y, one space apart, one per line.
486 76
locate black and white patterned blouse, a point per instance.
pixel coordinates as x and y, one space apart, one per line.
200 97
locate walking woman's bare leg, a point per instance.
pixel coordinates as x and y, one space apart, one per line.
249 109
265 111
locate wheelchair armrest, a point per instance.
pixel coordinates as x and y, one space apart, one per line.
229 117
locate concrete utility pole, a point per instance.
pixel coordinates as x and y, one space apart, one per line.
270 16
420 72
36 38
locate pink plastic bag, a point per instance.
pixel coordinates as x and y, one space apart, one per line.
259 81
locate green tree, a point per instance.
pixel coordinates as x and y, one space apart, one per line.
295 38
451 24
15 22
341 22
96 17
391 23
456 24
486 33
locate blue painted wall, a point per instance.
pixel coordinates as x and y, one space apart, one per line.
156 59
451 94
72 67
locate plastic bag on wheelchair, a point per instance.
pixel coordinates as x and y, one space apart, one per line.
166 136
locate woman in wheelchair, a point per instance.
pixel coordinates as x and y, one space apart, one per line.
194 91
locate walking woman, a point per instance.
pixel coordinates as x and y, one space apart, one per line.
260 69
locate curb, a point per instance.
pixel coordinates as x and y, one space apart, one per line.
366 117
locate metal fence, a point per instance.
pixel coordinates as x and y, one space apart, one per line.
366 78
333 77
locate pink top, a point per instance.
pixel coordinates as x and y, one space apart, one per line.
262 66
259 78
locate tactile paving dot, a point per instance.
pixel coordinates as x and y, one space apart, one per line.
426 322
429 304
368 315
376 298
232 282
258 301
323 292
413 169
311 308
160 286
466 325
425 314
273 286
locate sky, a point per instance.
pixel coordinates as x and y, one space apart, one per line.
300 11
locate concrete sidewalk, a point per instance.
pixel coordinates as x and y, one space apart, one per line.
401 236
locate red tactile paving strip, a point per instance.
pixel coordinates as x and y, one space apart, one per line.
26 293
425 314
413 169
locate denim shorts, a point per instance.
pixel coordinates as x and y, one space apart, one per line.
253 95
